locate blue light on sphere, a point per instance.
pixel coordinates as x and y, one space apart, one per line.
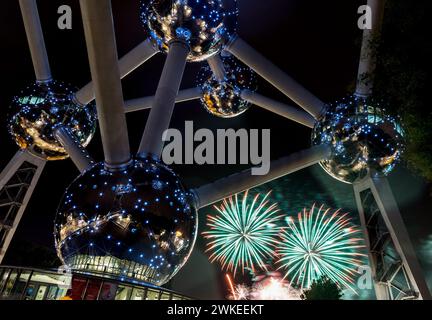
138 223
223 98
364 139
205 24
43 106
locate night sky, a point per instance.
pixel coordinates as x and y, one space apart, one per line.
316 42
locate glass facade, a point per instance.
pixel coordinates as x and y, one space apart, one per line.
33 284
113 266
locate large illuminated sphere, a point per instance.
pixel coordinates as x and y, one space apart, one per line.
39 109
138 223
363 137
223 98
206 24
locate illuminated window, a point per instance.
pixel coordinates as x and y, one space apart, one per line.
3 278
123 293
165 296
10 283
152 294
21 283
138 294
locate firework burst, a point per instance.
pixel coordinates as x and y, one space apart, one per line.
238 291
319 244
274 288
267 287
244 232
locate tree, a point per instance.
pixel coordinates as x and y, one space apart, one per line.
404 76
323 289
29 254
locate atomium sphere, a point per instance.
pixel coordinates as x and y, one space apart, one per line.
223 98
205 24
138 223
39 109
363 137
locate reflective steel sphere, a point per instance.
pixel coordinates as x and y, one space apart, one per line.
205 24
223 98
364 139
39 109
137 223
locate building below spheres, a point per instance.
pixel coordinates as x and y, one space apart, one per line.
34 284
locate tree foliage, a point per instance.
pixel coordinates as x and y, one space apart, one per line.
323 289
29 254
404 77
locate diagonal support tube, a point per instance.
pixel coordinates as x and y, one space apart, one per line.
147 102
35 39
276 77
102 51
17 204
393 221
127 64
216 65
220 189
164 100
76 151
367 63
279 108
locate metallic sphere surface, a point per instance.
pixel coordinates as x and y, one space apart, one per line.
364 139
223 98
206 25
39 109
138 223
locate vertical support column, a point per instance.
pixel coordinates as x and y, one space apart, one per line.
381 292
395 267
17 183
102 52
164 101
367 65
35 39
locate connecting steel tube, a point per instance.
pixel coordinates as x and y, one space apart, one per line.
102 52
279 108
128 63
35 39
367 65
276 77
76 151
147 102
216 65
220 189
164 100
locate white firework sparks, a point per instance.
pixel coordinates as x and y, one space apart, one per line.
244 233
321 244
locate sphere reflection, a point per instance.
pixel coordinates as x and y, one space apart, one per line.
223 98
39 109
137 223
364 139
205 24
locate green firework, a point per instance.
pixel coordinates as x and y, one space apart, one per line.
320 244
244 232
